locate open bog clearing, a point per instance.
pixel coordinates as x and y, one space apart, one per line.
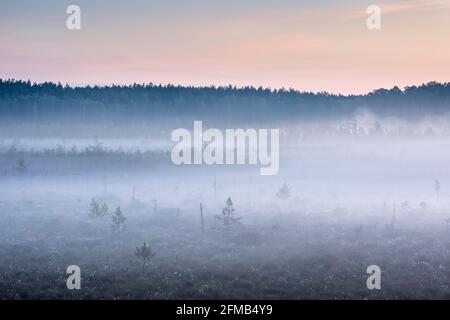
335 208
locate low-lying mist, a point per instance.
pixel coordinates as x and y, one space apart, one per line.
349 193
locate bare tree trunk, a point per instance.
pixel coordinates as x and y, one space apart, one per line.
105 185
155 206
394 211
201 219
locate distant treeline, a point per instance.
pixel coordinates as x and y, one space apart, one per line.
27 101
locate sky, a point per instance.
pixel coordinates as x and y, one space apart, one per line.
307 45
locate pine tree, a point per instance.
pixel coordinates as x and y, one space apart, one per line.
118 220
98 211
21 165
437 187
228 217
144 254
284 192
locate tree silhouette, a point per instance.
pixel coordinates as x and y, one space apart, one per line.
118 220
21 166
284 192
27 101
96 210
228 218
144 254
437 187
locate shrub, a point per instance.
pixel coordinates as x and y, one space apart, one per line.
144 254
98 211
118 220
228 218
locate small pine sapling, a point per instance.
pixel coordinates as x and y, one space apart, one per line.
98 211
118 220
284 192
228 218
144 254
437 187
21 166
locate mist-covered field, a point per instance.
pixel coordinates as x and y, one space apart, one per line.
339 203
224 150
87 179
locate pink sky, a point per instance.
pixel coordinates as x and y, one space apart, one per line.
321 48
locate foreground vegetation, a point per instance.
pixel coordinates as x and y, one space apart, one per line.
301 256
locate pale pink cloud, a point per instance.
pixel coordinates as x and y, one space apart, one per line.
400 6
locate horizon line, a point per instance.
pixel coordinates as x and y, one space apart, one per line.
213 86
